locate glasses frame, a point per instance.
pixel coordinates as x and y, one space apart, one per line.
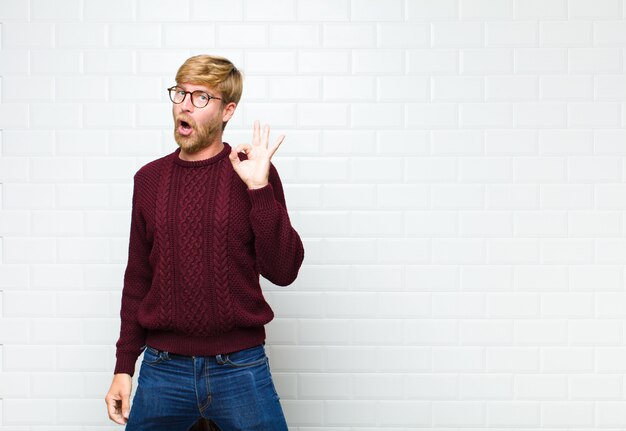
191 95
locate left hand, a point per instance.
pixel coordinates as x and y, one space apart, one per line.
256 170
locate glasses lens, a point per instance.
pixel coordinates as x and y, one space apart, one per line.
176 94
199 99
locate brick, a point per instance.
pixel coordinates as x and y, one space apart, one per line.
458 413
349 88
602 9
322 114
485 170
609 359
378 386
538 332
266 10
457 34
407 196
378 224
84 358
19 411
432 61
295 88
349 36
323 10
112 11
350 413
512 251
151 10
509 142
512 359
342 251
610 414
566 87
457 142
402 35
463 196
14 115
108 62
486 61
379 115
541 9
297 358
432 9
379 61
511 197
565 142
371 278
513 305
109 115
566 34
586 224
611 87
346 195
83 196
610 250
294 36
591 387
487 278
541 169
541 60
486 115
512 34
513 414
458 305
242 35
594 60
323 223
569 414
541 278
609 33
571 305
402 250
69 35
325 332
457 88
261 62
135 35
17 10
567 360
26 35
189 35
324 386
594 114
541 224
474 332
594 332
431 224
511 88
323 62
431 115
592 278
27 89
567 251
215 10
14 62
407 413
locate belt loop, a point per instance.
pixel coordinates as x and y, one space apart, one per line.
166 356
220 359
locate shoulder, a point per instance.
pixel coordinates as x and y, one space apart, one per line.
152 170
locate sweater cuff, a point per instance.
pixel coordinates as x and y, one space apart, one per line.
125 364
263 197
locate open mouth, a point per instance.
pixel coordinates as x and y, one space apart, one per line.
184 128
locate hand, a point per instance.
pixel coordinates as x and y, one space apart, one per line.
118 398
255 171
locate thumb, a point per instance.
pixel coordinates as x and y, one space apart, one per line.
125 406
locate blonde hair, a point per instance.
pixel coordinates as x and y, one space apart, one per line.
214 71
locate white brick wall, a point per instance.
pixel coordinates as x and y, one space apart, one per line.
456 169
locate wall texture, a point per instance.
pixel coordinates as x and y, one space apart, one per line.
455 167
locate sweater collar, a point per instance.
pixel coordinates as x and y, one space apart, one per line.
199 163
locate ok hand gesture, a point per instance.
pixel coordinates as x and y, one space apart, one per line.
255 170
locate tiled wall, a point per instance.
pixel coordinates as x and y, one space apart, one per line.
456 169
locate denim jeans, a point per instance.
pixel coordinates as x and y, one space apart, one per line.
235 391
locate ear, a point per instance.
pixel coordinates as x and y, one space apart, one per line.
228 111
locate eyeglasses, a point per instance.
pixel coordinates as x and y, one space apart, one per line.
199 98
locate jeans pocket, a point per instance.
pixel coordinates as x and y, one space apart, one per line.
152 356
246 358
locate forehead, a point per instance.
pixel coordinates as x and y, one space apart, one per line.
194 87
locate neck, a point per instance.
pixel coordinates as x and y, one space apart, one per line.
206 153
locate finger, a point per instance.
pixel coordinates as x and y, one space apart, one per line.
266 135
279 141
114 411
243 148
234 158
256 132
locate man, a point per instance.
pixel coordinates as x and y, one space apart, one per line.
206 220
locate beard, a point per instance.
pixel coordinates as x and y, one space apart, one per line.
202 135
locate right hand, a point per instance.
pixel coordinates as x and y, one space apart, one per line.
118 398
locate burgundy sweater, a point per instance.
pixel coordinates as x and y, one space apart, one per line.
198 241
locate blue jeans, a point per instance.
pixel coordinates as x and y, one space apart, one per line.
235 391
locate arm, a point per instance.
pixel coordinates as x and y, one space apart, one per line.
279 250
137 281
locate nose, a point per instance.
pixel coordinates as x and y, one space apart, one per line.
186 104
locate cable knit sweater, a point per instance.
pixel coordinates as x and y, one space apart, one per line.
198 241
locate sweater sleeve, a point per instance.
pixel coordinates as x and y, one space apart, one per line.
279 250
137 280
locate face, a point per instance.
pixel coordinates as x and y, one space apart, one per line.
199 128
